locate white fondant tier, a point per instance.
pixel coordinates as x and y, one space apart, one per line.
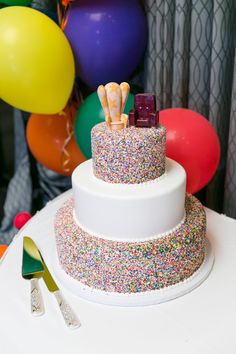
136 211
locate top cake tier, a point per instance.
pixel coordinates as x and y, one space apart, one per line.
131 155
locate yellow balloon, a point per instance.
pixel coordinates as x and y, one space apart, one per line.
37 68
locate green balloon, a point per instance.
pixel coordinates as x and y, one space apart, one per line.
16 2
91 113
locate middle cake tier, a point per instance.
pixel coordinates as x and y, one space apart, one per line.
129 212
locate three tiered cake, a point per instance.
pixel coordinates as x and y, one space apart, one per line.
130 234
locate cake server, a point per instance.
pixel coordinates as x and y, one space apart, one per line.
32 269
66 311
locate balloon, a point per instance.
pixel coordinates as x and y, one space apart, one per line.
16 2
51 142
108 39
3 249
36 62
193 142
91 113
21 219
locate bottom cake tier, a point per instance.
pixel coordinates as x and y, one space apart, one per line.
132 267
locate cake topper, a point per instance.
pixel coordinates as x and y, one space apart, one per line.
113 99
144 114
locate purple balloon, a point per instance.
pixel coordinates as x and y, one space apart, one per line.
108 38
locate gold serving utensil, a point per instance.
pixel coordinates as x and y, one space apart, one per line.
66 311
33 270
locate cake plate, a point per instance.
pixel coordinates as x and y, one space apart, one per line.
152 297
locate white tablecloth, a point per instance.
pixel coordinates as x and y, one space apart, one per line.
201 322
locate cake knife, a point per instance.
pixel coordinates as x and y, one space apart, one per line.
66 311
32 268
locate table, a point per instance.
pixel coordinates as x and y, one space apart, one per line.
201 322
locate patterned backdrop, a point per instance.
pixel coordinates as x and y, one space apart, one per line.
190 62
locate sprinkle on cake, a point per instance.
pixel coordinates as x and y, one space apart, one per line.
130 267
131 155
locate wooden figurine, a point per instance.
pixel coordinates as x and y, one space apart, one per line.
113 99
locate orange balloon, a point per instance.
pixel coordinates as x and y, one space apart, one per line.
51 141
2 250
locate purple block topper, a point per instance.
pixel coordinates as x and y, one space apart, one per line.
144 114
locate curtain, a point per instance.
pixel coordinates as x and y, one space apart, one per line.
19 192
32 184
191 63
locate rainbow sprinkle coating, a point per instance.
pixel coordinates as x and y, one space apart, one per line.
131 155
131 267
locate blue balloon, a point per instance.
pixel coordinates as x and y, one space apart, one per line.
108 38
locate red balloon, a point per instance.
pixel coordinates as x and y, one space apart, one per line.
21 219
193 142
